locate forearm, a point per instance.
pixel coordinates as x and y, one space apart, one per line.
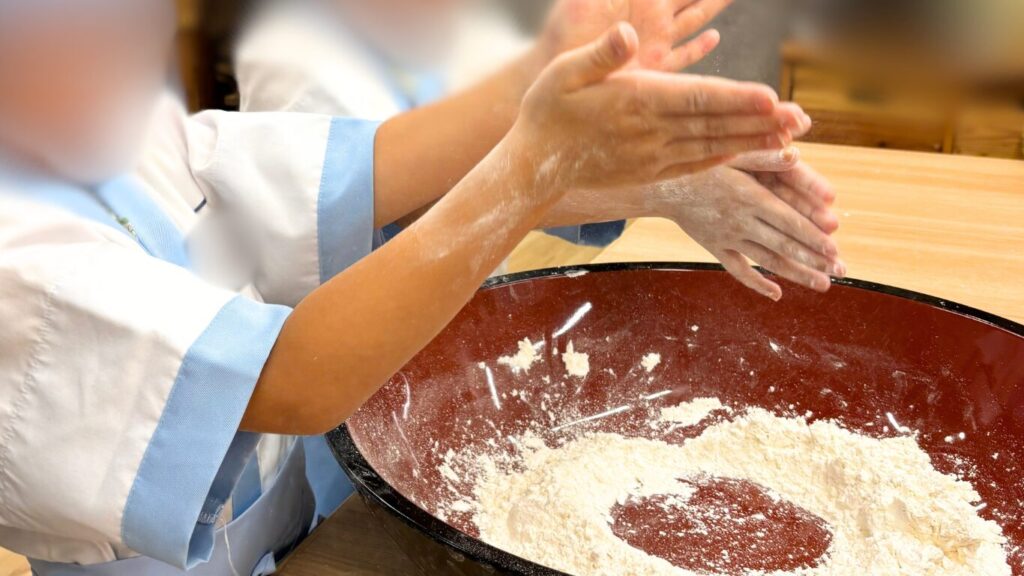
350 336
423 153
589 207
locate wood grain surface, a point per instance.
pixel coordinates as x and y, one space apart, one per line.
350 543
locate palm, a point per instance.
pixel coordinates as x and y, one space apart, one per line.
660 24
654 21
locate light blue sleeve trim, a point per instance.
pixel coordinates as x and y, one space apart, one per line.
196 454
345 206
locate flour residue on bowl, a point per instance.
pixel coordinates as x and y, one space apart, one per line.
577 364
650 362
690 413
885 507
524 358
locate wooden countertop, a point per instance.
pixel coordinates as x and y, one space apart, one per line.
951 226
350 543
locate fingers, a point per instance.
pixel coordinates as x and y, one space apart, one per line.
820 215
693 51
721 126
805 180
681 94
693 15
693 150
799 122
594 62
737 265
794 225
681 169
787 246
787 268
768 161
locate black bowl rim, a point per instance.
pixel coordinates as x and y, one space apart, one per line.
371 485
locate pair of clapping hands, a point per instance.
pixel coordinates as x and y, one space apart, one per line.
713 155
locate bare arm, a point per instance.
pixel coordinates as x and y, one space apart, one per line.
434 147
351 335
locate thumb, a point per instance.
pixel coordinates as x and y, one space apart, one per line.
594 62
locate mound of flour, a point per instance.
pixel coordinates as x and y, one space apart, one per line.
691 413
889 511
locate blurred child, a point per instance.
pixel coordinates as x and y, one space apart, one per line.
163 327
374 60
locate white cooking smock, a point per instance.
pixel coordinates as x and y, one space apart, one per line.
137 318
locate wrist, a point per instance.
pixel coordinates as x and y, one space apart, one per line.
532 167
532 62
669 198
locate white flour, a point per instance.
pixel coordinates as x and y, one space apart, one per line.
576 363
523 359
890 513
650 362
691 413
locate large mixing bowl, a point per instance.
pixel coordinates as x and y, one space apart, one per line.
877 359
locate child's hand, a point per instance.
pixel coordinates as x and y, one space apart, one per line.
660 24
795 183
735 217
586 125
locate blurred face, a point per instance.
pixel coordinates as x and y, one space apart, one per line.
416 31
77 80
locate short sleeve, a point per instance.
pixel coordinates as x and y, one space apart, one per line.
123 381
297 187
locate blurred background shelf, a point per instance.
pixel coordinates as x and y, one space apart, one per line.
914 75
858 104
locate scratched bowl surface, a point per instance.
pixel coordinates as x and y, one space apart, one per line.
874 358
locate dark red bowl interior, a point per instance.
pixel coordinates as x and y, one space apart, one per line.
863 354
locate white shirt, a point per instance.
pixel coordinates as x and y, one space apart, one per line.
298 56
123 377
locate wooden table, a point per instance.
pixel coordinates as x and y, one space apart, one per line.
950 226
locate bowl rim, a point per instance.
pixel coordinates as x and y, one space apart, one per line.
373 487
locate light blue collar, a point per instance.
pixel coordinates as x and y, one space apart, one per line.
137 213
121 204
